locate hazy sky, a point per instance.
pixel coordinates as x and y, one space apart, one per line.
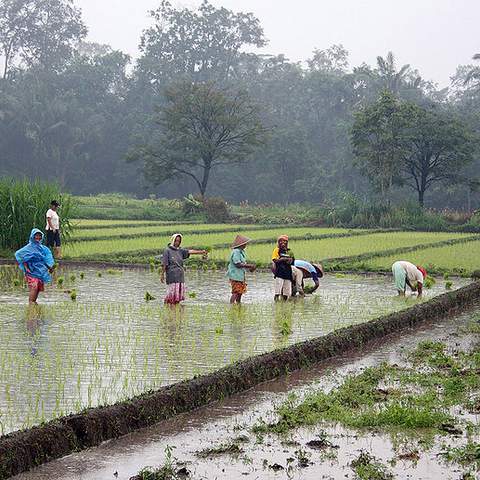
433 36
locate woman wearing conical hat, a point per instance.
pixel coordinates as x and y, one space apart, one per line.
237 267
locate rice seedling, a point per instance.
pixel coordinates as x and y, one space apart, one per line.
82 275
16 282
60 281
217 237
73 295
448 285
429 281
149 297
113 272
73 277
319 249
446 276
99 274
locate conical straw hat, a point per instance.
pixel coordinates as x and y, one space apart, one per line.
240 240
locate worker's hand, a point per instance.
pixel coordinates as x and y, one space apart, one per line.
27 269
290 260
162 278
50 270
252 268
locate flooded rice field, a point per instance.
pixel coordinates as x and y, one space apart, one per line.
201 442
110 343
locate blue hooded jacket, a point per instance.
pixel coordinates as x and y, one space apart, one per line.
36 256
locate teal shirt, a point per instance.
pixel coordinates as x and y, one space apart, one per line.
233 272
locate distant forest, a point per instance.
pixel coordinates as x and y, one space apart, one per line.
74 111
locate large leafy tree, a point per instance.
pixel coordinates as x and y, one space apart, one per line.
203 44
202 126
440 146
41 32
379 139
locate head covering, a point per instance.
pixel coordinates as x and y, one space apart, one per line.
240 240
36 256
173 238
54 202
424 272
282 237
319 269
305 268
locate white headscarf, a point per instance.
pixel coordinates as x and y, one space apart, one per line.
174 237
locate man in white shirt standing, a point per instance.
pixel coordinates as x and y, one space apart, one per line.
53 227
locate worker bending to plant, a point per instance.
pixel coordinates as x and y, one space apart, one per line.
406 273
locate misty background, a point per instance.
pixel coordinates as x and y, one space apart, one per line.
80 81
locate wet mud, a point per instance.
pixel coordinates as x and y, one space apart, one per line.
21 451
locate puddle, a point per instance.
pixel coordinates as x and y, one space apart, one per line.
110 344
223 421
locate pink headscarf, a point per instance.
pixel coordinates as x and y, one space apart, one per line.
424 272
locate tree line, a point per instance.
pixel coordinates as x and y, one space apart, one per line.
198 112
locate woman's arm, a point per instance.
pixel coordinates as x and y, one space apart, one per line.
162 278
26 267
197 252
251 266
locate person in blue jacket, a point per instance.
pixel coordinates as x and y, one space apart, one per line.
36 261
303 269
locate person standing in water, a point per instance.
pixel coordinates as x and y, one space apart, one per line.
36 260
283 259
172 265
237 267
406 273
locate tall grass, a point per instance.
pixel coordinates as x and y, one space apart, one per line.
23 206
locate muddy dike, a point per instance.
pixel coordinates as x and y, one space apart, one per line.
23 450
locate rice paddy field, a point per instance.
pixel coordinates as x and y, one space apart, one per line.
95 339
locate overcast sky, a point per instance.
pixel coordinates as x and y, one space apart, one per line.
433 36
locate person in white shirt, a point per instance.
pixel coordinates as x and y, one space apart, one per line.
406 273
53 228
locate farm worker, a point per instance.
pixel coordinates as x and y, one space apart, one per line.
172 263
53 228
406 273
36 261
283 259
302 269
237 267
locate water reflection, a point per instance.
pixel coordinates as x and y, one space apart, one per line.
36 326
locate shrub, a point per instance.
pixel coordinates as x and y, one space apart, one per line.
192 205
216 210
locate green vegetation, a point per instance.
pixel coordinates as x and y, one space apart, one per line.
23 206
367 467
459 258
385 397
113 207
